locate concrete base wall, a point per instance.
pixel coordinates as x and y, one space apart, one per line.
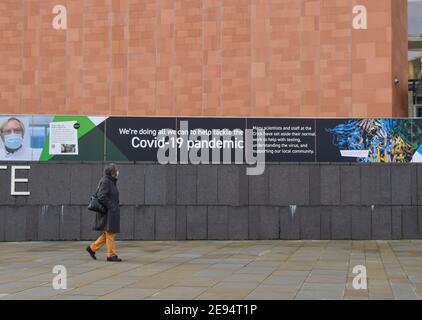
290 201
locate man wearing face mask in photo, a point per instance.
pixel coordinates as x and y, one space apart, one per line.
12 133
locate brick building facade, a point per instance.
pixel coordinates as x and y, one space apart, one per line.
275 58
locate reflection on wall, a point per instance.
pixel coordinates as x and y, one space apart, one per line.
415 68
415 39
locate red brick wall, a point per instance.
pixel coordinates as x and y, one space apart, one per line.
210 57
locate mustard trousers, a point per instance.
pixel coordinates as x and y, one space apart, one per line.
108 238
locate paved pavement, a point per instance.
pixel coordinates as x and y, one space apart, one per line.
214 270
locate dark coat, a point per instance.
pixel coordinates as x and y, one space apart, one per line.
108 195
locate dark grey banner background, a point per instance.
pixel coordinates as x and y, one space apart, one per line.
322 145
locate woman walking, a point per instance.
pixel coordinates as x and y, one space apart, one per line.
108 222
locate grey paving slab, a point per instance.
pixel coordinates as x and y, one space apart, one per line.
128 294
175 292
311 291
285 281
214 270
404 291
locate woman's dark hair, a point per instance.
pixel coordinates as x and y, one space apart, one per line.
109 169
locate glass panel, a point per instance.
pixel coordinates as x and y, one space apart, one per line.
415 38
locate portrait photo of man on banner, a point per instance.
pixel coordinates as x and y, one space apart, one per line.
15 138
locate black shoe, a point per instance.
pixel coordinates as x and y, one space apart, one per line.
114 259
91 253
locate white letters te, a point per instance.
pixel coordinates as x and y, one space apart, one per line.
14 180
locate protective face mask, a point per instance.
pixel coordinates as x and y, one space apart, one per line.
13 141
117 173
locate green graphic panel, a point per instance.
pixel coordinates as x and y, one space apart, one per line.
114 152
90 141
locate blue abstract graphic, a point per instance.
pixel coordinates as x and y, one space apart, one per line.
387 140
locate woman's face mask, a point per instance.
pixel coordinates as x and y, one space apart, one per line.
13 141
